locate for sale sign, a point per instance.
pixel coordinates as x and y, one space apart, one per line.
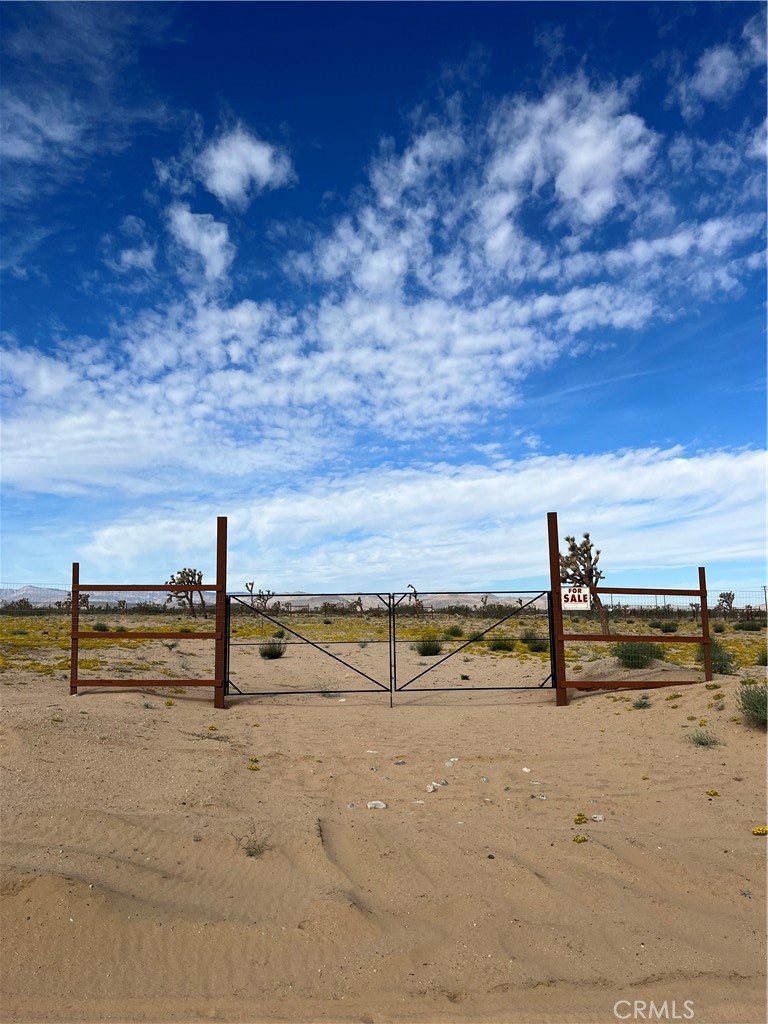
576 599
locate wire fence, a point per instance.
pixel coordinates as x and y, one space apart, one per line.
55 598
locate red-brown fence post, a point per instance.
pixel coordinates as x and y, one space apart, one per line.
561 695
74 651
707 642
220 655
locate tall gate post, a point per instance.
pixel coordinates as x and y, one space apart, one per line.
558 643
74 641
707 645
220 650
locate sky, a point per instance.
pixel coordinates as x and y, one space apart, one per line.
384 283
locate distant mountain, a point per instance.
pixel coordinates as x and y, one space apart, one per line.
40 597
46 597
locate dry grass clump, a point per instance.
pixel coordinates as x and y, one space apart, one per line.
753 701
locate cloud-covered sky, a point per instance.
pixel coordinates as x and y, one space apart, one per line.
384 283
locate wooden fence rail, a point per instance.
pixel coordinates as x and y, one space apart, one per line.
218 635
560 636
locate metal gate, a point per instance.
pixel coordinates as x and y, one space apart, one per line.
388 643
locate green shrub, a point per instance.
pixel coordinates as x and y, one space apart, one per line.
121 629
454 631
748 625
669 627
703 738
428 648
655 623
753 702
761 658
719 627
643 701
100 627
533 642
272 649
638 654
279 634
502 644
723 661
477 635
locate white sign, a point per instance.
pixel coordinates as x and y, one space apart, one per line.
576 599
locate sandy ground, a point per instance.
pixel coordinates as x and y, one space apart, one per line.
179 863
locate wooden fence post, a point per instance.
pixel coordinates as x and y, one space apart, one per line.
220 655
74 642
561 695
707 642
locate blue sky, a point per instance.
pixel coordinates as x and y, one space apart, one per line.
384 283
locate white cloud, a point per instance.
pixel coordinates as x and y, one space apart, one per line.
578 140
206 237
666 509
140 258
721 71
238 165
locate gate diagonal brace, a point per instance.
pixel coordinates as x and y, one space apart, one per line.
282 625
451 654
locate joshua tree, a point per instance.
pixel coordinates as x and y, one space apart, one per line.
186 598
261 598
725 602
413 596
578 568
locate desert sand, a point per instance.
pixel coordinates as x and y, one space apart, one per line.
173 862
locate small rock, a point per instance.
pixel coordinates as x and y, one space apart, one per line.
431 787
350 806
538 796
443 782
484 778
591 801
507 789
419 801
400 762
527 770
374 769
598 817
376 805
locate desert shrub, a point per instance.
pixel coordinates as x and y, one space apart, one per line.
703 738
669 627
643 701
279 634
454 631
428 648
748 625
272 649
121 629
655 623
753 702
502 643
719 627
722 660
761 658
534 643
477 635
638 654
100 627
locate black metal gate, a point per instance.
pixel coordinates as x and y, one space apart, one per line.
387 642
